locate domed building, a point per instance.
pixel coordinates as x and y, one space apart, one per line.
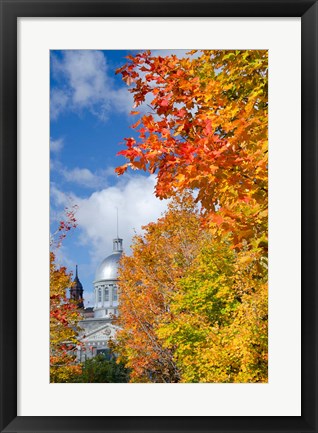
96 328
105 284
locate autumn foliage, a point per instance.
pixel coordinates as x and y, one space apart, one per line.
205 130
147 281
64 313
192 308
218 329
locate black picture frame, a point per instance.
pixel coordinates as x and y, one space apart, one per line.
10 11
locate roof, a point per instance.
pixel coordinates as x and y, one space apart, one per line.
108 269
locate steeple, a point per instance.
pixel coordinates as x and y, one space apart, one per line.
76 291
76 279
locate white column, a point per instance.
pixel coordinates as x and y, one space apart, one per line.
103 295
96 296
111 295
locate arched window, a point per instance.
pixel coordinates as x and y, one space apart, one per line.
99 295
106 294
115 294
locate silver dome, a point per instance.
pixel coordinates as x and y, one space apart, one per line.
108 269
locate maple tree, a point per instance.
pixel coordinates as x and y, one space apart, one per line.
219 321
192 307
64 313
206 132
147 280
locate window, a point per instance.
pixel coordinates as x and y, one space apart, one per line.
99 295
115 295
106 294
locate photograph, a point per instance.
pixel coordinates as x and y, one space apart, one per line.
158 216
158 210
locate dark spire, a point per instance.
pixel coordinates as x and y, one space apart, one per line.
76 291
76 281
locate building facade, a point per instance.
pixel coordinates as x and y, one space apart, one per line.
96 326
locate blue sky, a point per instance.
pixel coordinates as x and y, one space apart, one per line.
89 119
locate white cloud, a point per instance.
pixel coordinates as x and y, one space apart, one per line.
96 215
61 199
137 206
86 72
87 85
56 145
79 175
83 177
122 99
58 103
